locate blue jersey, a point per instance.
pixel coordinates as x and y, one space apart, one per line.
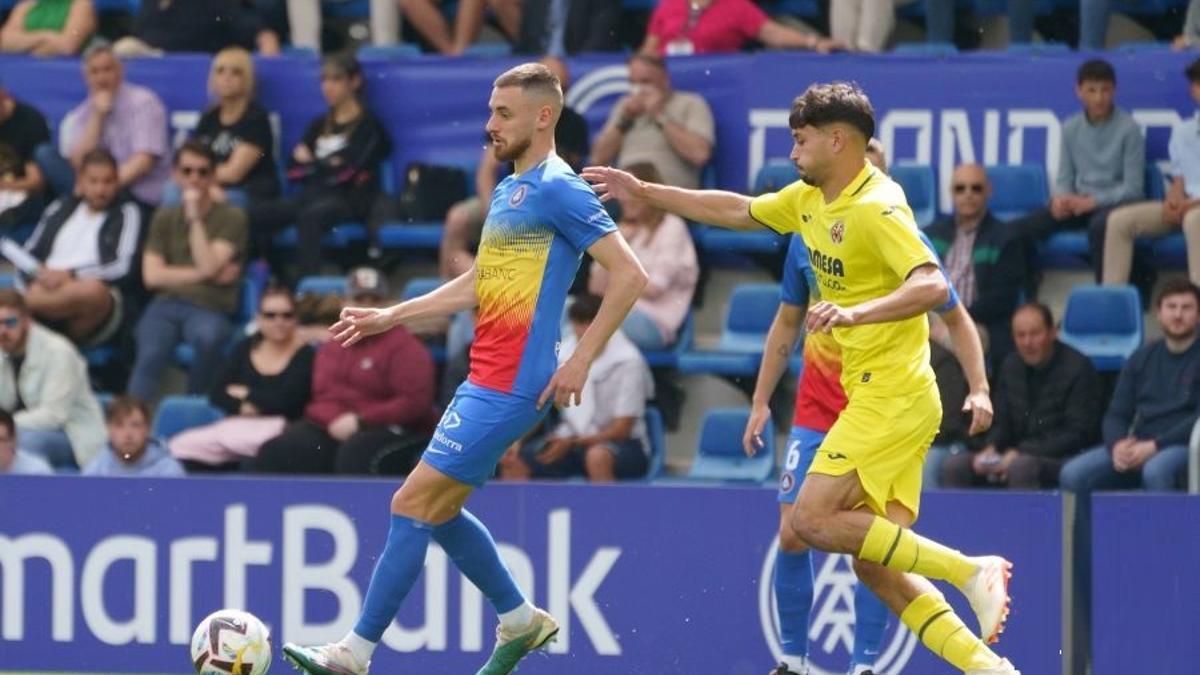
539 224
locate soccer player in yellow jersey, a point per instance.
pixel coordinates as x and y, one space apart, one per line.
877 281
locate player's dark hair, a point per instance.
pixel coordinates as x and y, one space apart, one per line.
533 77
1193 71
584 309
824 104
13 300
1176 286
1041 309
1096 70
98 156
125 405
196 147
6 421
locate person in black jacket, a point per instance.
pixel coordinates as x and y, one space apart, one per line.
1047 400
265 384
984 263
337 164
86 246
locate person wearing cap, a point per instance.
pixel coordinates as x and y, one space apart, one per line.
1159 218
372 409
193 259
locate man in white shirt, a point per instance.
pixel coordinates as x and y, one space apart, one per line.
85 245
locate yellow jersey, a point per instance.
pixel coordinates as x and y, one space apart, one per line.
862 246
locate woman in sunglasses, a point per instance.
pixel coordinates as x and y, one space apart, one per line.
265 383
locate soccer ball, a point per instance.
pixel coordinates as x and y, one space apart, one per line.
231 642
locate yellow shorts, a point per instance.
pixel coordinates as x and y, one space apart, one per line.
885 441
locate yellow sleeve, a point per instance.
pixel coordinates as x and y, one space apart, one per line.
777 210
896 236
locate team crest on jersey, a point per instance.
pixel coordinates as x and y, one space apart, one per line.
518 196
787 481
837 232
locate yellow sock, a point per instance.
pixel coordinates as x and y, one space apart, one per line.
906 551
935 624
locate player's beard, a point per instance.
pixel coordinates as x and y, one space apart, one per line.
510 151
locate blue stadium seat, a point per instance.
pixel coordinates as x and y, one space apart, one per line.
398 52
1147 7
1105 323
420 286
920 188
1144 47
926 49
339 237
127 6
639 5
1065 250
748 315
1000 7
323 285
713 239
720 455
807 9
8 280
180 413
775 175
99 356
1036 48
347 9
1017 189
489 50
668 357
656 433
411 235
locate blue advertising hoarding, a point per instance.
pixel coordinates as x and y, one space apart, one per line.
111 575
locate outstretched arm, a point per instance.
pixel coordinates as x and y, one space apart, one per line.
712 207
456 295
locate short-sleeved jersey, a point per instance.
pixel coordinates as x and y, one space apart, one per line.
861 246
819 394
538 226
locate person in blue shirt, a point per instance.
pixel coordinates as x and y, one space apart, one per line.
541 220
131 451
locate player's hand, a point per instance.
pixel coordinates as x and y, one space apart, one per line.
752 440
555 450
824 316
566 387
356 323
612 183
979 405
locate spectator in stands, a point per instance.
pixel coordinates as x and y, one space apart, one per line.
238 129
1153 408
939 20
14 462
196 26
1179 210
684 27
86 245
193 259
1189 37
877 154
48 27
427 18
128 119
44 384
567 28
1102 164
982 259
953 433
863 25
603 438
24 139
673 130
131 451
263 386
304 19
663 245
1047 399
464 220
372 406
337 164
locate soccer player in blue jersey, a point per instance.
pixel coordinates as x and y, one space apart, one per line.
541 220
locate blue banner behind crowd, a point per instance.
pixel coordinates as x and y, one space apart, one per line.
993 108
111 575
1144 584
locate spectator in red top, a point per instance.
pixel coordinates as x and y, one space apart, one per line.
372 408
682 27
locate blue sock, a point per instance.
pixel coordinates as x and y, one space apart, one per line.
794 596
870 620
471 547
394 576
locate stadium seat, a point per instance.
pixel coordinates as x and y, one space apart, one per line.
1000 7
805 9
411 236
1105 323
920 188
1144 47
1017 189
126 6
180 413
1036 48
1067 250
323 285
338 237
8 280
720 455
738 352
1147 7
388 52
656 433
668 357
489 50
419 286
775 175
346 9
926 49
711 239
639 5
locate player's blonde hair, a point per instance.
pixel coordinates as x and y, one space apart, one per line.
535 78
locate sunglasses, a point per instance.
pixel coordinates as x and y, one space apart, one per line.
10 322
271 316
201 171
977 188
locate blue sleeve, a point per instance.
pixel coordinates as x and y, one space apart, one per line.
795 290
953 300
578 214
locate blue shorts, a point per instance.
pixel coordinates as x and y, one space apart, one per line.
801 449
476 429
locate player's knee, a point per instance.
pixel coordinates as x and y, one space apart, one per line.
809 526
